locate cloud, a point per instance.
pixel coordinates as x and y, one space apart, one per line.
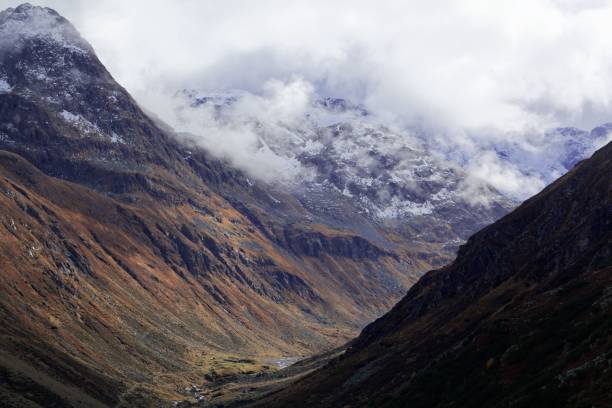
485 168
468 64
242 131
471 72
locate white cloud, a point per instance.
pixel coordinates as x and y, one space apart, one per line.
470 63
486 168
474 71
234 133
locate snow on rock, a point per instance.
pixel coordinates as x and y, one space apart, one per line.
352 151
115 138
4 86
43 54
340 151
88 129
398 208
45 58
27 22
546 156
84 126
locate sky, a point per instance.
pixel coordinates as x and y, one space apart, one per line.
466 63
470 67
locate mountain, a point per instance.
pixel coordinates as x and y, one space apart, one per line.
341 163
335 155
549 155
134 264
520 319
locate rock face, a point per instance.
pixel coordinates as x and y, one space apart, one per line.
64 112
128 257
349 168
520 319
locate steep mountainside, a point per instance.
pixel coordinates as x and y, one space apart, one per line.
343 162
133 265
345 166
520 319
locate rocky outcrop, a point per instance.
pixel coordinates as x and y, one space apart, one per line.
315 244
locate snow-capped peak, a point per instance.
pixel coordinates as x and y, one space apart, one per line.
44 58
27 22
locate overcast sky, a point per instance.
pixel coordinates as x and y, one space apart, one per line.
506 64
473 72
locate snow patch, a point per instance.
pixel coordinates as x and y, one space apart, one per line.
4 86
115 138
80 123
28 22
400 208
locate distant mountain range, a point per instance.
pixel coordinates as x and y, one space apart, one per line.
338 152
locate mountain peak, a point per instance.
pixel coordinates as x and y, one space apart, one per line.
46 65
28 13
27 22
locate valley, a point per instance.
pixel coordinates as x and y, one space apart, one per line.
142 266
139 263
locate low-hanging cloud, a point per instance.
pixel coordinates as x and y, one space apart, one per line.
240 126
470 72
471 64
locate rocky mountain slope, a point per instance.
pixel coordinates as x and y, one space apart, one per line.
334 155
549 155
520 319
343 162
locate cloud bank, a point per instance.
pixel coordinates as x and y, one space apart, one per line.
471 72
249 130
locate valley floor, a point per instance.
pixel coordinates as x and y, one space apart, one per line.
245 381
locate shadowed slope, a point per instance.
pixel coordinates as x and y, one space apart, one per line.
521 318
